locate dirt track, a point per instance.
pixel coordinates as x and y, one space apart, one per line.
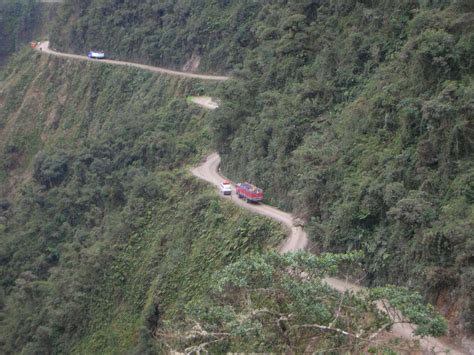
298 240
44 48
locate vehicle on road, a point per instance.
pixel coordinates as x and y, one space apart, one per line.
226 187
249 192
96 55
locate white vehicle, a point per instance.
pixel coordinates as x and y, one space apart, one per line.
96 55
226 187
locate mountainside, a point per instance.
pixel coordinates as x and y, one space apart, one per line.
18 22
170 33
99 221
357 116
22 21
107 244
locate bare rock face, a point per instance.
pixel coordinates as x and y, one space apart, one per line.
192 64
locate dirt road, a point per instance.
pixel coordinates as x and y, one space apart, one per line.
298 240
43 47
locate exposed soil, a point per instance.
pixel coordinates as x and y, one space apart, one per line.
205 101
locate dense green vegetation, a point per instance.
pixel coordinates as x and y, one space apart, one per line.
108 244
107 233
356 115
272 302
166 32
18 20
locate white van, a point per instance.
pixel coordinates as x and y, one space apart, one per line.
226 187
96 55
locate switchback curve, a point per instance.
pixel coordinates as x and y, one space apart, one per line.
298 240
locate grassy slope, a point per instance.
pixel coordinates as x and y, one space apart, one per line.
106 233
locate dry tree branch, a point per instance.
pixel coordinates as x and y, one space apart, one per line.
378 331
326 327
197 331
201 347
341 299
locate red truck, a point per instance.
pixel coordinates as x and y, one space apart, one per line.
249 192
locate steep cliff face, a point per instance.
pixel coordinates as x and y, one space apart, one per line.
99 220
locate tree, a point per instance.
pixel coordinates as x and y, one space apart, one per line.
274 302
50 170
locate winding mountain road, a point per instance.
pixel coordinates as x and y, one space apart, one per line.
44 48
298 240
297 237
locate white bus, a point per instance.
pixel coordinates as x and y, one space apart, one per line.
96 55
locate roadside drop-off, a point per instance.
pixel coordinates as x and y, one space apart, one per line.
298 240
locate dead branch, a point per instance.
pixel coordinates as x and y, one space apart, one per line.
341 299
329 328
201 347
378 331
